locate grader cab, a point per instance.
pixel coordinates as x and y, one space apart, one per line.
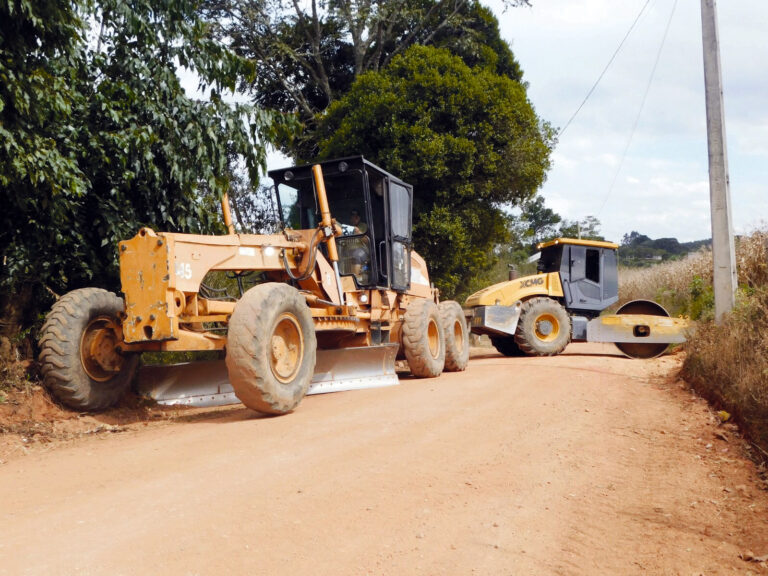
333 303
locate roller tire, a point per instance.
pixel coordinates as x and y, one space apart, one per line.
268 318
507 346
61 361
423 339
456 336
534 315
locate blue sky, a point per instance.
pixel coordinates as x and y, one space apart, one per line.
662 186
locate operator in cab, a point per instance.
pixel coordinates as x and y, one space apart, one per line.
356 223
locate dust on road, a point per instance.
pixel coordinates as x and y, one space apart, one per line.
585 463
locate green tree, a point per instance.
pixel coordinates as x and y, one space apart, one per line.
466 138
308 54
586 229
98 141
537 222
634 238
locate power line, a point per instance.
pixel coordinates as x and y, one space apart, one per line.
640 110
563 129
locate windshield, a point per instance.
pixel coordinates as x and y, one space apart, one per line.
298 205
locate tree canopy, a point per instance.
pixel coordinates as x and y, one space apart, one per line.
588 229
100 138
468 140
307 55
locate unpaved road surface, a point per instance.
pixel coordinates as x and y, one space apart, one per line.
586 463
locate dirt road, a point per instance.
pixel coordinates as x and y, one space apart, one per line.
586 463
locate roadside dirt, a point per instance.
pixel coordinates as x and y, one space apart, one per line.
586 463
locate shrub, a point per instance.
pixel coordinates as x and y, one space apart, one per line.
728 364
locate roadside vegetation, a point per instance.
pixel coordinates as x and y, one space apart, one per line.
727 364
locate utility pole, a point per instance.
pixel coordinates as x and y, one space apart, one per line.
723 250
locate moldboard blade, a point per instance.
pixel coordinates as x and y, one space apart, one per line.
207 383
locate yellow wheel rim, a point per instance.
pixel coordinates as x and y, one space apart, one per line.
287 348
546 327
433 338
98 350
458 336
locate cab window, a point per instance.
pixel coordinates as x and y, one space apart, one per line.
593 265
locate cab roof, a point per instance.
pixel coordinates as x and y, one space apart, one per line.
332 166
577 242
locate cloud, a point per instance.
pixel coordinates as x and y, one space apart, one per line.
662 188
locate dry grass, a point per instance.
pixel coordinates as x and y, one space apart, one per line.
679 286
727 364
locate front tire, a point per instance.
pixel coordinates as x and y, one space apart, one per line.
456 336
79 356
271 348
544 328
423 339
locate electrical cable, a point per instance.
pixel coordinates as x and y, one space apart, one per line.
640 110
563 129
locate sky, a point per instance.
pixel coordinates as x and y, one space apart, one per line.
661 188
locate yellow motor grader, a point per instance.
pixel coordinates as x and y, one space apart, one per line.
331 308
539 315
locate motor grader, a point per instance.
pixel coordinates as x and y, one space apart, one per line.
331 307
577 279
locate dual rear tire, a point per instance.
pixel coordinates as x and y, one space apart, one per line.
435 338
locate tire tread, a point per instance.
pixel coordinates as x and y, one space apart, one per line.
63 374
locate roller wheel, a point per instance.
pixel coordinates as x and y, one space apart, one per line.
642 350
507 346
79 357
271 348
423 339
456 336
544 328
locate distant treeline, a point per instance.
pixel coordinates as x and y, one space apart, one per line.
640 250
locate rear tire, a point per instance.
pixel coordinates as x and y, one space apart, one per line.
456 336
78 351
423 339
271 348
544 328
507 346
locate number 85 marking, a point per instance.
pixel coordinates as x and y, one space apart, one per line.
183 270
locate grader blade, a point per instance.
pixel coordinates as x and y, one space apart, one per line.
188 384
354 369
207 383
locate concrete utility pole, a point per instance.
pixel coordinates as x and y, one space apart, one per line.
723 250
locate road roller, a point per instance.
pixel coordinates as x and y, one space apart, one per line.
576 281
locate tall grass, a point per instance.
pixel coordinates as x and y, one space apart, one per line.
727 364
683 287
